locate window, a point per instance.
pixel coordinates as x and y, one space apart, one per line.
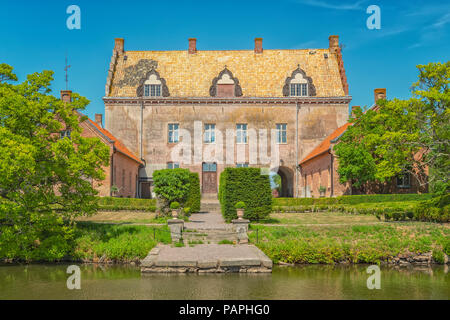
404 180
210 133
241 165
299 89
209 167
281 133
65 133
298 86
173 165
152 90
173 132
241 133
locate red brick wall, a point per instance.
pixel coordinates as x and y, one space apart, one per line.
320 171
126 171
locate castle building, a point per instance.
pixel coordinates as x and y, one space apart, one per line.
207 110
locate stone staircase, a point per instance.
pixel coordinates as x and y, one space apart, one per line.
193 237
207 226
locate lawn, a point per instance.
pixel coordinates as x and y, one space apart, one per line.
122 217
356 242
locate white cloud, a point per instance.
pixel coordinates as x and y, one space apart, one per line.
336 6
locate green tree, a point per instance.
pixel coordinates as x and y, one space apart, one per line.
401 135
45 181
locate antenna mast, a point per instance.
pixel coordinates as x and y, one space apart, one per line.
66 68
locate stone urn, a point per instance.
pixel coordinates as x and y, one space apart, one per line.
240 213
174 214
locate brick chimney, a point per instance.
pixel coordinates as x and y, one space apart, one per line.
192 45
354 108
66 95
119 45
258 45
333 43
99 119
379 93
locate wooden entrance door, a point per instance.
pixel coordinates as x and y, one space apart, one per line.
209 177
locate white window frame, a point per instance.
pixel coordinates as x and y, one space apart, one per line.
209 134
280 128
173 165
172 133
65 133
404 177
242 165
152 90
241 133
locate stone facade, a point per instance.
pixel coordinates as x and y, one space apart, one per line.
259 101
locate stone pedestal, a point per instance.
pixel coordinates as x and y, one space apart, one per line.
176 227
240 226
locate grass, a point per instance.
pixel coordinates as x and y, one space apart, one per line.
225 241
318 218
117 243
137 217
350 243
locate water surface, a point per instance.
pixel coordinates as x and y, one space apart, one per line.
42 281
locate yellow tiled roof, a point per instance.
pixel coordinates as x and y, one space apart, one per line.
259 75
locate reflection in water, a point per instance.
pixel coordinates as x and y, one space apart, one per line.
302 282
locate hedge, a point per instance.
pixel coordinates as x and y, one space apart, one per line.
194 196
114 204
249 186
172 185
437 209
355 199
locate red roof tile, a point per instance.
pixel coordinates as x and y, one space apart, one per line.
119 145
324 146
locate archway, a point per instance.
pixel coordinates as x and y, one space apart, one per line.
287 181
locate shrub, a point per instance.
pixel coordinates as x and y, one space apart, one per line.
172 185
174 205
436 209
194 196
240 205
187 211
249 186
438 256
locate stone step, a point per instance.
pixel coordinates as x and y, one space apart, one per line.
206 258
210 237
209 196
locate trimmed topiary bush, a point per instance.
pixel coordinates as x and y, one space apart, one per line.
240 205
246 185
194 196
174 205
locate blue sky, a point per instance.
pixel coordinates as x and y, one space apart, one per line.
34 36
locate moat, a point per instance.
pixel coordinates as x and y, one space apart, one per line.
45 281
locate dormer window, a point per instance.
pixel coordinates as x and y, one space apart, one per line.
225 86
299 86
152 86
